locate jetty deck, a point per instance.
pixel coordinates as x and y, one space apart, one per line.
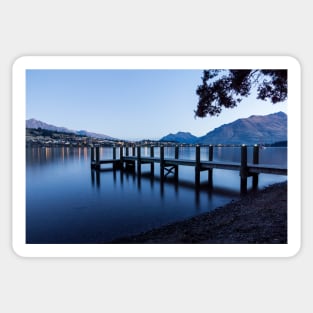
170 166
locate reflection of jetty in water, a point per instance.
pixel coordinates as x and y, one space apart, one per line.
158 184
170 166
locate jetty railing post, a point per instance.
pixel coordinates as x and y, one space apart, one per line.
152 162
176 154
92 157
114 157
92 154
176 157
244 169
210 172
139 160
97 165
114 152
97 154
127 151
133 150
255 177
162 163
197 167
121 156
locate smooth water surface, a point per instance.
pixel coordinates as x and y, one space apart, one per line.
67 202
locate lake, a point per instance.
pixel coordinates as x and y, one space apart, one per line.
67 202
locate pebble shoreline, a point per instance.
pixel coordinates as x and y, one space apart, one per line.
258 217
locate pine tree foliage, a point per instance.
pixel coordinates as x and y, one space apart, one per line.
226 88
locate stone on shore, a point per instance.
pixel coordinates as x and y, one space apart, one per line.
258 217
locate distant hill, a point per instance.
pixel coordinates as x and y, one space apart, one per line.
33 123
254 129
181 137
265 129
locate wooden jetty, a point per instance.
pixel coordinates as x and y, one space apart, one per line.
134 160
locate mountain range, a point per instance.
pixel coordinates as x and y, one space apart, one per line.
33 123
265 129
252 130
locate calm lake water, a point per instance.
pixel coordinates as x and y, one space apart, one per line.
67 202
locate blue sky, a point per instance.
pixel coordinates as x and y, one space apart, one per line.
128 104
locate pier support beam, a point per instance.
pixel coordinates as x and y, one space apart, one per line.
97 162
255 177
121 157
152 163
92 158
162 163
92 155
244 169
197 167
176 157
114 152
210 171
139 160
114 157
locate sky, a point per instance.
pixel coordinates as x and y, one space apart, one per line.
128 104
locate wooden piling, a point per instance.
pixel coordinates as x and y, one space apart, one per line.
152 163
139 160
162 163
244 169
97 164
255 177
176 157
121 157
115 166
210 171
97 155
121 152
114 152
197 167
92 156
176 152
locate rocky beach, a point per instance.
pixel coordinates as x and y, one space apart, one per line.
259 217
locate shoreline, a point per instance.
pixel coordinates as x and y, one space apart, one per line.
257 217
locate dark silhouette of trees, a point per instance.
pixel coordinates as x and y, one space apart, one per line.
226 88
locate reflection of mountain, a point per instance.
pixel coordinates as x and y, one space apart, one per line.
255 129
32 123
